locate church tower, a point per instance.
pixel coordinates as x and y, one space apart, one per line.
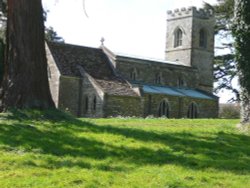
190 40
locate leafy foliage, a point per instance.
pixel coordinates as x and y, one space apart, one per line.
51 35
225 70
229 111
3 7
224 13
241 32
225 65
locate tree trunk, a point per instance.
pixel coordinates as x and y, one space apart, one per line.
25 83
245 107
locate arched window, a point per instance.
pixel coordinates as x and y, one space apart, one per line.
178 35
94 103
181 82
158 78
133 74
192 111
203 38
163 109
86 101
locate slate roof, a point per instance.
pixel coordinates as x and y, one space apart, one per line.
69 57
148 59
180 92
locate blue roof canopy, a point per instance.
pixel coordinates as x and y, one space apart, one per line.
174 91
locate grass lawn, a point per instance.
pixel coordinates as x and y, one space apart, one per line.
43 150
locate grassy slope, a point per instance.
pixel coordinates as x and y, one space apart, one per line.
63 152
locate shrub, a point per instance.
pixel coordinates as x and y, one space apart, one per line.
229 111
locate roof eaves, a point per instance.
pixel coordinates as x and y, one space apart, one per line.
180 92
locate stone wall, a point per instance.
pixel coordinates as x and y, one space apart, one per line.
205 69
92 95
147 72
73 90
178 106
152 102
53 76
191 21
202 57
183 52
206 108
123 106
80 97
69 94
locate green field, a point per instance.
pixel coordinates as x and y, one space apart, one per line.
54 150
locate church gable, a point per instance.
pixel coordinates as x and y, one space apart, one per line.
70 59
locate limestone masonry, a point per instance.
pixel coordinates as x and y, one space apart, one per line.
95 82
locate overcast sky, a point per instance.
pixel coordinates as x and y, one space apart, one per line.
136 27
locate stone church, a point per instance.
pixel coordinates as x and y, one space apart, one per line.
96 82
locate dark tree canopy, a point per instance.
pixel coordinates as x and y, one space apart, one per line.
224 65
241 33
224 13
51 35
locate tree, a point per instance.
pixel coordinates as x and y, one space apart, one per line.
225 70
25 83
3 18
51 35
241 33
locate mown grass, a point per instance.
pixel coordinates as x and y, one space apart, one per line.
51 149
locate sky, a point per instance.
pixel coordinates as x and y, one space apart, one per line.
135 27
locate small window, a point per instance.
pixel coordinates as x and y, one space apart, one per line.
163 110
86 103
181 82
203 38
192 111
94 103
178 38
158 79
133 74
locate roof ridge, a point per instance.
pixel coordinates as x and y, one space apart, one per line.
73 45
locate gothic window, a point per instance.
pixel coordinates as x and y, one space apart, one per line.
158 78
203 38
181 82
133 74
86 102
149 103
163 109
94 103
178 35
192 111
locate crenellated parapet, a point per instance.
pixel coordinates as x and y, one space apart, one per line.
190 11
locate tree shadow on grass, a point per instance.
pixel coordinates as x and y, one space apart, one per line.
222 151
